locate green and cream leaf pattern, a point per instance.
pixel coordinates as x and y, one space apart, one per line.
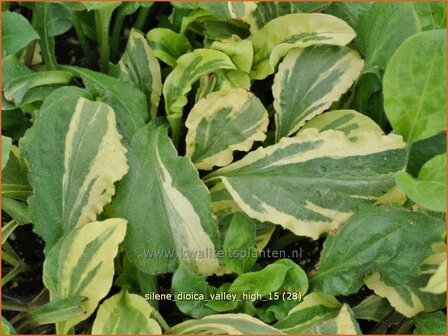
350 122
81 264
224 324
178 225
125 313
241 52
83 160
308 81
314 309
437 281
168 45
15 182
284 33
139 65
222 123
376 239
190 67
301 183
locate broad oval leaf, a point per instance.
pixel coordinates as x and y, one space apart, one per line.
190 67
82 264
308 81
417 111
128 102
17 33
302 183
284 33
224 324
350 122
82 162
222 123
167 207
389 240
168 45
429 189
378 37
138 65
124 314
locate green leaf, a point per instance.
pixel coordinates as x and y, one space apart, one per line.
240 52
311 312
378 37
422 151
128 102
59 20
81 264
168 45
308 81
430 323
239 244
302 183
12 68
139 66
123 314
6 149
284 33
16 210
431 14
350 12
267 11
429 189
222 123
15 182
372 308
282 275
184 281
44 24
417 111
82 162
437 281
350 122
224 324
17 33
178 226
190 67
409 298
391 241
18 87
223 10
7 328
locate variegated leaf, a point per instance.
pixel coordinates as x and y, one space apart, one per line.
15 182
350 122
319 313
167 206
437 281
222 123
168 45
223 10
125 314
302 183
224 324
308 81
190 67
284 33
72 175
138 65
82 264
241 52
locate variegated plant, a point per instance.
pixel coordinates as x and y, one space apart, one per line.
215 134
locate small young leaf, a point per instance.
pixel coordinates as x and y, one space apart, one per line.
124 314
417 111
430 323
284 33
15 182
429 189
138 65
168 45
221 123
81 264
